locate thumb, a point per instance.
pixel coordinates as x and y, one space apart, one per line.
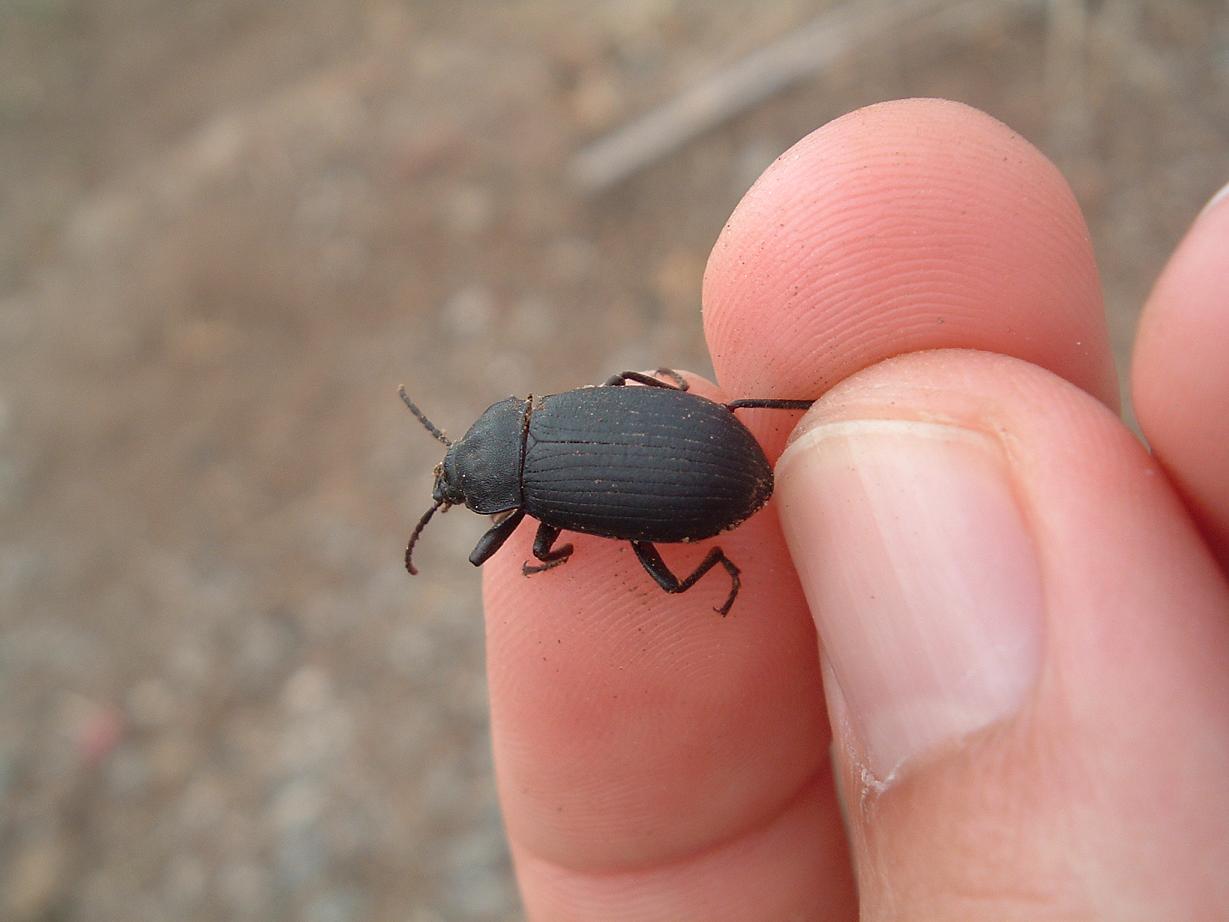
1025 647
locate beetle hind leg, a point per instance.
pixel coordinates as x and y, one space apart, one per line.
650 558
543 542
768 403
680 383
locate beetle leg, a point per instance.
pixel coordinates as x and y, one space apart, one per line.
494 539
768 403
680 383
657 568
543 541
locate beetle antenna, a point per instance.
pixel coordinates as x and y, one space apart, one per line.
422 523
418 414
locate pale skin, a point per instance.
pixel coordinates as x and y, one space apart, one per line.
1062 748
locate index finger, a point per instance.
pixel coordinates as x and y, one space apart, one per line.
654 759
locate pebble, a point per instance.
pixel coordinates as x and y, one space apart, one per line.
267 643
298 805
127 773
470 311
469 210
150 704
307 691
34 879
245 887
335 906
301 858
185 880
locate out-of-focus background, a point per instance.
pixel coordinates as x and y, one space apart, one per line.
229 229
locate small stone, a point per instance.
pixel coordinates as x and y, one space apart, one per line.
469 312
301 858
597 99
189 663
203 342
127 772
533 320
753 159
469 210
150 704
298 805
185 880
245 887
677 279
217 147
307 691
95 727
202 806
171 758
571 258
35 879
265 646
334 906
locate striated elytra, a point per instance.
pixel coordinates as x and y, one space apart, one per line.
648 465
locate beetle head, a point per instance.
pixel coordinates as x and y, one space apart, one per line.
448 490
482 470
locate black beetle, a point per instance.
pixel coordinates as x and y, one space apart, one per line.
642 464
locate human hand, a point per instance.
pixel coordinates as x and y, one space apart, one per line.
1023 617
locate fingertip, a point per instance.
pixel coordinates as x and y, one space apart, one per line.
907 225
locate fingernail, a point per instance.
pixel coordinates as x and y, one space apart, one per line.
1216 199
921 575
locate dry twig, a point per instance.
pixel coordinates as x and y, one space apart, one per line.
803 52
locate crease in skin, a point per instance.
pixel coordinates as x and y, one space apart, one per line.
821 776
891 423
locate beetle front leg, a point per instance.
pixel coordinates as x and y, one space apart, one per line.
494 539
680 383
657 568
543 541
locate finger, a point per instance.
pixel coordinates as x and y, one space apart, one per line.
1026 646
914 224
1180 374
654 760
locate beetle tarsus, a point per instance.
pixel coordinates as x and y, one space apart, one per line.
650 558
680 383
543 542
529 569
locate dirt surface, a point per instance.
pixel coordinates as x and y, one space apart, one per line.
228 230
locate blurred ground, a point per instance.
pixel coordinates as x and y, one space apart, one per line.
228 230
